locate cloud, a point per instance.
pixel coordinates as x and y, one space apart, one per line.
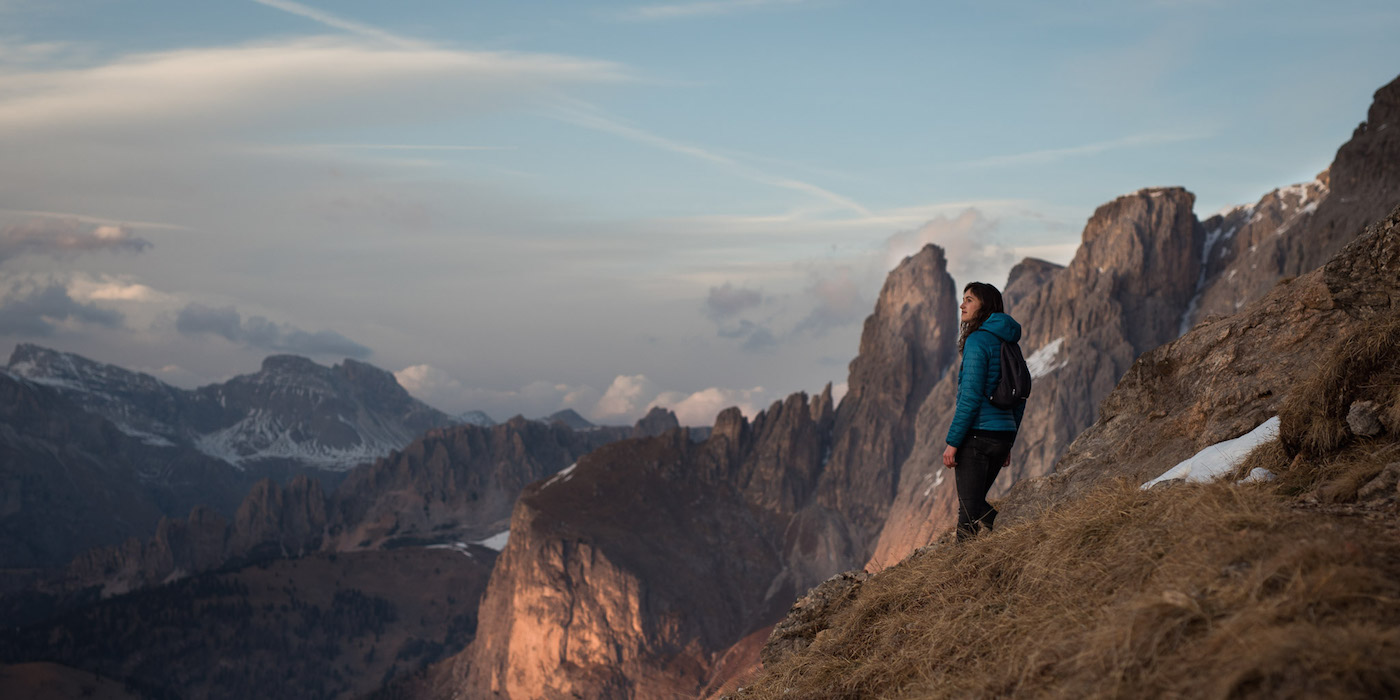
709 8
111 288
36 311
756 337
208 90
65 236
837 302
625 397
967 239
727 301
590 117
1051 155
337 22
701 407
258 332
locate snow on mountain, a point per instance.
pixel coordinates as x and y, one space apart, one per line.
293 409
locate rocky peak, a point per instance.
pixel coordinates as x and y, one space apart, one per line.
657 421
372 380
290 518
291 364
907 344
1026 277
570 418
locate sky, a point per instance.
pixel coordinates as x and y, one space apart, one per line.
520 207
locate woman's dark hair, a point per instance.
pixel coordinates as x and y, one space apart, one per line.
991 304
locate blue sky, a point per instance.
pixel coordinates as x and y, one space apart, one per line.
525 206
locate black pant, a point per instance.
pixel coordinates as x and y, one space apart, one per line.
979 462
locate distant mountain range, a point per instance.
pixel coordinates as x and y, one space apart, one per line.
293 414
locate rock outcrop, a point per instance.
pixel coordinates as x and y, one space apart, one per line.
455 484
1225 377
906 347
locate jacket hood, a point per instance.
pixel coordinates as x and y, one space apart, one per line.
1002 326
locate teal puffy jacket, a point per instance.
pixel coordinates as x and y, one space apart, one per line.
978 376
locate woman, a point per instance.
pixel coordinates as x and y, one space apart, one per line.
980 438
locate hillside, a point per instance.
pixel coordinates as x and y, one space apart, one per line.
1285 586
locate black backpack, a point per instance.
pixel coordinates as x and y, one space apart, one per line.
1014 387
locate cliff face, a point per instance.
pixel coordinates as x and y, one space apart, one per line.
907 345
457 483
1225 377
596 593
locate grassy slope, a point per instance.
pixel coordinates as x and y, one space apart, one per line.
1287 589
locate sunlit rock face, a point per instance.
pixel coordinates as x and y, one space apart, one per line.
627 576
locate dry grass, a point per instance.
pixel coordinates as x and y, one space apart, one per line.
1193 591
1210 590
1365 365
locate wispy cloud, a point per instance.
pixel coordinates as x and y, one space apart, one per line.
410 147
1050 155
336 22
586 116
701 9
211 89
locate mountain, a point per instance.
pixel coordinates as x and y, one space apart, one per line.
1146 271
1279 585
450 487
74 480
293 415
476 418
570 418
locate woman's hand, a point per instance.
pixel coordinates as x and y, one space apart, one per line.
1007 463
950 457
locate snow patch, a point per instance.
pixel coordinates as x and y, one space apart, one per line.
462 547
496 541
1218 459
1042 361
564 475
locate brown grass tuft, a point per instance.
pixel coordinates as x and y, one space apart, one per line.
1198 590
1363 365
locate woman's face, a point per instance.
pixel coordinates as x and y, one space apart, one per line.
970 306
